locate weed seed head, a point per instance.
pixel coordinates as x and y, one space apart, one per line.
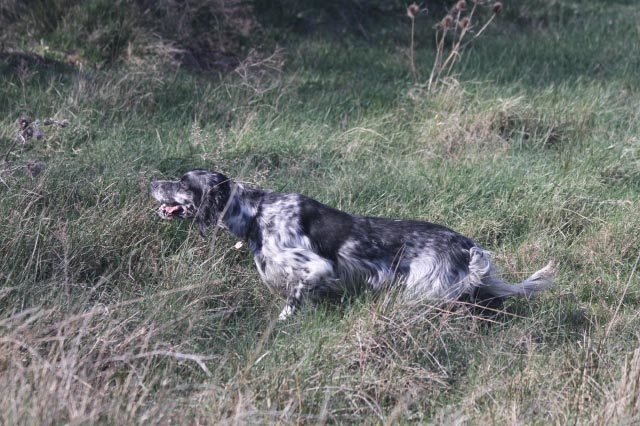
413 10
24 122
461 5
497 7
34 167
464 23
446 22
27 134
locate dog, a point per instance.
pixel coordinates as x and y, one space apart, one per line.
306 250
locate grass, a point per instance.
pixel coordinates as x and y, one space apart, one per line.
110 316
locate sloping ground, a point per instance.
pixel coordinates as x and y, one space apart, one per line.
530 146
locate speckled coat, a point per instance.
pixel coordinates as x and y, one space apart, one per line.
306 250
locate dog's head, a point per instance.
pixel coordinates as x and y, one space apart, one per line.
198 194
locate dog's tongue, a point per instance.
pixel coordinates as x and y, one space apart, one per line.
171 209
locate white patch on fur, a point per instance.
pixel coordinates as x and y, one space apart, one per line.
287 254
427 277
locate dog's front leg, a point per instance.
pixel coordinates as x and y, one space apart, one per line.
294 300
308 271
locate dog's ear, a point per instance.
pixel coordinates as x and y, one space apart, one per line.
214 201
204 214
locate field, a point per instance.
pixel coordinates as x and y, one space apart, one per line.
529 144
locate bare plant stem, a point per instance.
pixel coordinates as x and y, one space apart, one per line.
456 48
438 59
65 260
6 156
484 27
198 359
455 28
453 56
411 52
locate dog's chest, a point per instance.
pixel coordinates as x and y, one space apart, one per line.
279 245
281 265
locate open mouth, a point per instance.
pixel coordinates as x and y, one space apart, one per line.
169 211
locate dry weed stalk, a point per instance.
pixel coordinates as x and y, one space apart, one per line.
63 237
28 129
257 72
458 23
412 11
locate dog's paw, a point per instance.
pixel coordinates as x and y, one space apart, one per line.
286 313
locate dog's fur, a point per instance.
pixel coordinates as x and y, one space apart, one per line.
307 250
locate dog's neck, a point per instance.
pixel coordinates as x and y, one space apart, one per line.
241 210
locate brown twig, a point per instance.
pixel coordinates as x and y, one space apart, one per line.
198 359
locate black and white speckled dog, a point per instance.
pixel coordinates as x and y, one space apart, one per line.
307 250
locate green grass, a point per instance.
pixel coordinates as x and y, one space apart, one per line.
109 315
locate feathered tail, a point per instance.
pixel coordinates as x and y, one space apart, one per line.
482 275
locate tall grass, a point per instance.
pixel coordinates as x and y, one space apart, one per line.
109 315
